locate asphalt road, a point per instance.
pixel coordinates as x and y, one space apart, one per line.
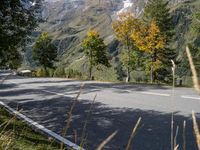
117 107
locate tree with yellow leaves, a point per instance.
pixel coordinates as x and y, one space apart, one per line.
95 50
123 28
149 39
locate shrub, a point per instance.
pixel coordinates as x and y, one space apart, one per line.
40 72
60 72
50 72
72 73
138 76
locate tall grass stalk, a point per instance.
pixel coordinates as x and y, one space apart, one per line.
107 140
194 72
197 88
175 137
196 130
176 148
6 77
133 134
172 105
75 136
84 136
69 120
184 137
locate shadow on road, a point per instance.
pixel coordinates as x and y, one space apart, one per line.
153 134
7 86
72 88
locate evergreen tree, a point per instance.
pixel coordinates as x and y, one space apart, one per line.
44 52
17 20
158 11
184 65
196 22
95 50
194 47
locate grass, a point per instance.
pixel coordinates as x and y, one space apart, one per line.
17 135
197 88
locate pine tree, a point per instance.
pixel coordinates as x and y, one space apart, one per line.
95 50
16 22
196 23
44 52
158 11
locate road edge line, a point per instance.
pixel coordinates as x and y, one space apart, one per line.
190 97
42 128
156 94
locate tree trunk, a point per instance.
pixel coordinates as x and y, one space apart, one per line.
128 68
128 75
90 64
90 72
151 74
45 69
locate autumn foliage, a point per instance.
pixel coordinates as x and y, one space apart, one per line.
148 38
123 28
136 35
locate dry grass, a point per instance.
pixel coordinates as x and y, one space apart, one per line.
133 134
175 138
106 141
194 72
196 130
176 148
184 137
6 77
197 88
70 113
172 106
84 136
128 147
17 135
7 140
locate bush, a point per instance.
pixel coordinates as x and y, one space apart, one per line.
50 72
138 76
71 73
41 72
60 72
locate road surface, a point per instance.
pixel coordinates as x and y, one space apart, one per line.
117 107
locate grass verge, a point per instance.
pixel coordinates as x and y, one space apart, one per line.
17 135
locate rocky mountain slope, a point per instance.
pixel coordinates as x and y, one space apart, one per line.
68 21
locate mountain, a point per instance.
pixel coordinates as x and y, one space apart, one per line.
68 21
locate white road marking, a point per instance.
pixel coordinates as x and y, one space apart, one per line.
11 81
27 101
42 128
190 97
156 94
61 94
